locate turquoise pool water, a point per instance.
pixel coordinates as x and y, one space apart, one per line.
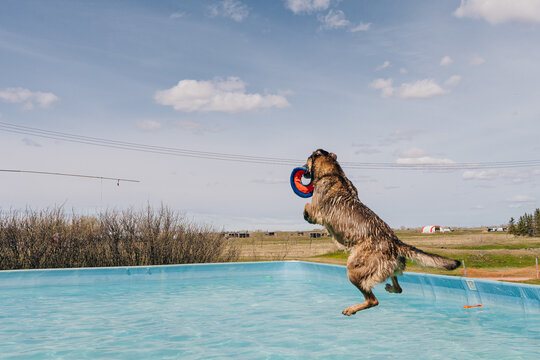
258 310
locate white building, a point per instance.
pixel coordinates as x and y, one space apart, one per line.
430 229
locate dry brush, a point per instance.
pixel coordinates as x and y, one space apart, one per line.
52 238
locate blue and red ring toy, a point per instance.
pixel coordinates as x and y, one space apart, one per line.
300 189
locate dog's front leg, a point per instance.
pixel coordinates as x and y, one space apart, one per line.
308 216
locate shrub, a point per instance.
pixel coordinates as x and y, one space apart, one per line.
53 239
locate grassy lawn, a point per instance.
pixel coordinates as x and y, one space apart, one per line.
500 246
471 259
477 247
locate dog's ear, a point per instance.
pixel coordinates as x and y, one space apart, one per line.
333 156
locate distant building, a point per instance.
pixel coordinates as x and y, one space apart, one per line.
270 233
238 235
315 235
430 229
497 229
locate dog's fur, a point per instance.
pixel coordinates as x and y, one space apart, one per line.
376 252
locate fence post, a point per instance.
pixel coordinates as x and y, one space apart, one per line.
464 269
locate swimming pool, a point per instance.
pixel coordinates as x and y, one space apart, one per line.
258 310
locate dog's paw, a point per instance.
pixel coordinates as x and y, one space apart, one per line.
391 289
351 310
307 218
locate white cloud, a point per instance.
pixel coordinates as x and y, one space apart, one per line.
233 9
28 98
403 71
365 149
413 152
453 80
385 85
307 6
424 160
360 27
480 174
445 61
30 142
177 15
521 199
518 201
417 156
500 11
477 60
494 174
421 89
384 65
216 95
398 136
148 125
335 19
197 127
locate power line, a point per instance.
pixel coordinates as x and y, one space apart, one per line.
123 145
64 174
138 147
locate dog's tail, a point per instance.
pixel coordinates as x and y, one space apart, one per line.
427 259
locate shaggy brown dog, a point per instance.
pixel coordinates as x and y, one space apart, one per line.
376 252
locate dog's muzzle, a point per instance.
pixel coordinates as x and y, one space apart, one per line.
307 174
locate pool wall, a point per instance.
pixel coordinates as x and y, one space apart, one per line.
465 291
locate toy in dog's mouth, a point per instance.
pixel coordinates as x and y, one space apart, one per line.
298 187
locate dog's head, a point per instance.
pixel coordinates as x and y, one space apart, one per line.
321 163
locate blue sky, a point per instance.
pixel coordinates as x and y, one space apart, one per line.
417 82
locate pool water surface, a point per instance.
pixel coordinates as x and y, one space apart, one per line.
256 310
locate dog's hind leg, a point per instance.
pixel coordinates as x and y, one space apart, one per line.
394 288
361 277
400 266
371 301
